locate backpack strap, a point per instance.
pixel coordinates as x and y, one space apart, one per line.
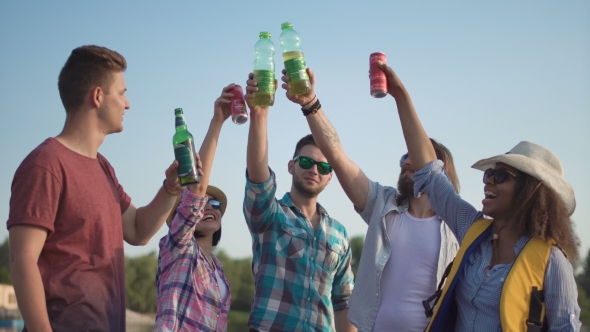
428 309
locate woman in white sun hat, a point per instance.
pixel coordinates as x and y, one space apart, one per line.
512 271
192 291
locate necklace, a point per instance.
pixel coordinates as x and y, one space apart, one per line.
495 249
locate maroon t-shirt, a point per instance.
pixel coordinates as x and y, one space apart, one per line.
80 202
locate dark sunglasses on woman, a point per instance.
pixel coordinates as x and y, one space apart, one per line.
498 174
307 163
215 204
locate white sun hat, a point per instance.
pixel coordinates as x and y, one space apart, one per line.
539 163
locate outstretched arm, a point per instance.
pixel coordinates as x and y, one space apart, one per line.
418 143
257 153
140 224
352 179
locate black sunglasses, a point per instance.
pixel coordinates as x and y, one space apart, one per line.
215 204
498 174
307 163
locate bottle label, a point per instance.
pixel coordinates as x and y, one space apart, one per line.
185 155
295 69
265 80
180 120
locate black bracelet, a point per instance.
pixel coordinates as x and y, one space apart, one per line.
309 102
313 109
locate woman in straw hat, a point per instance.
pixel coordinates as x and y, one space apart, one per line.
512 271
192 290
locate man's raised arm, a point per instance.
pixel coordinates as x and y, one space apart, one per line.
352 179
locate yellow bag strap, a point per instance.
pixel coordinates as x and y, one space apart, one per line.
473 233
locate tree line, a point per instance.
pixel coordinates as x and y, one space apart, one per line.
140 278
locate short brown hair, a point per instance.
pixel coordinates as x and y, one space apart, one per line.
307 140
87 67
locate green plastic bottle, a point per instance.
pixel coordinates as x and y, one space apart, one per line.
184 151
294 60
264 71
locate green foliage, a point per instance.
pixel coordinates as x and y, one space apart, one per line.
583 278
357 243
237 321
140 282
5 277
584 302
583 281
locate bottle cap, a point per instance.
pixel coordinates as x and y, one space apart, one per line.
286 25
264 34
178 111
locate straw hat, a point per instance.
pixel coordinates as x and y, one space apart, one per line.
539 163
211 190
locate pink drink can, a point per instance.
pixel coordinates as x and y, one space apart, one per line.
377 76
238 106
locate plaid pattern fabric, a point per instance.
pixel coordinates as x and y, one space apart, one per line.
188 295
301 276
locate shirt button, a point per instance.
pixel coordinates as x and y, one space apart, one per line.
309 299
376 294
384 256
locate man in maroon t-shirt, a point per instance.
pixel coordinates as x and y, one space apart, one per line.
68 213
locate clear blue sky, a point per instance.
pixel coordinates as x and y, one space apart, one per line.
484 75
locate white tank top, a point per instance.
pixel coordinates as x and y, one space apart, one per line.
409 276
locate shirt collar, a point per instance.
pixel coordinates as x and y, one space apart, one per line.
286 201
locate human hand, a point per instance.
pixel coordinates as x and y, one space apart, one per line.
222 105
395 87
251 87
303 99
172 184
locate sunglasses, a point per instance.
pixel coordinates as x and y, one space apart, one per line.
307 163
403 158
498 174
215 204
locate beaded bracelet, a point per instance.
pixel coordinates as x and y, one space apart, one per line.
171 193
313 109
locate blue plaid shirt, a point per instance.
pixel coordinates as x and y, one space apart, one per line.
301 276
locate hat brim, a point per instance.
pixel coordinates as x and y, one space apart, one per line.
538 170
217 193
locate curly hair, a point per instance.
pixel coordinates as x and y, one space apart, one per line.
542 213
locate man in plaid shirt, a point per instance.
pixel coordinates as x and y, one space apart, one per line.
301 256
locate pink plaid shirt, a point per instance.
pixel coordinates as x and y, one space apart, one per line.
188 295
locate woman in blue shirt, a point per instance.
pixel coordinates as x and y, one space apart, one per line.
527 198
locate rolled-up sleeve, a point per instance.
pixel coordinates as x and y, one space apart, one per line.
343 283
432 180
260 203
188 213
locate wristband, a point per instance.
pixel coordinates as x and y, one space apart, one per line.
313 109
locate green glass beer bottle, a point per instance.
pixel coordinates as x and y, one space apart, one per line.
264 71
184 151
294 60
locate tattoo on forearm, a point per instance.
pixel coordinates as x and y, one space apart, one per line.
329 133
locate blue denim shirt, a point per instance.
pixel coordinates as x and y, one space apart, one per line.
479 289
366 297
